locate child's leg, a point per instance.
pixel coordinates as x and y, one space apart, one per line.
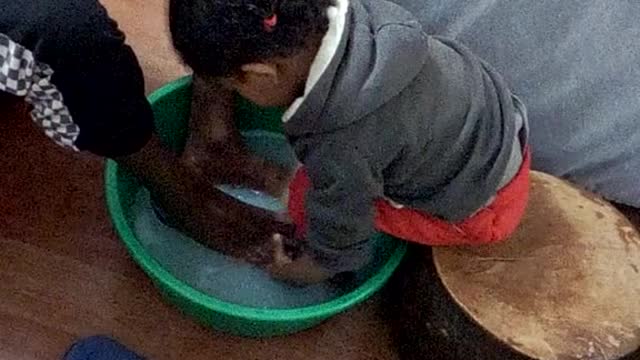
491 224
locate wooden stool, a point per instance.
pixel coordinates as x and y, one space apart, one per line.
565 286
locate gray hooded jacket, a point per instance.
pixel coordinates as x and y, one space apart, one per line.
398 114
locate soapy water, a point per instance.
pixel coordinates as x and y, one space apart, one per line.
226 278
220 276
254 198
275 148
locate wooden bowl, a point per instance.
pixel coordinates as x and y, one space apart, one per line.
565 286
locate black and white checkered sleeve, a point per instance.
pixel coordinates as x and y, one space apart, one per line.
22 75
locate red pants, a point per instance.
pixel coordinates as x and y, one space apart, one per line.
493 223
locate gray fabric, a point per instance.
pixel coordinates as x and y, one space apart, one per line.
575 63
398 114
22 75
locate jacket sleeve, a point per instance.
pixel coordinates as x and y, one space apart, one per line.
90 70
339 205
101 80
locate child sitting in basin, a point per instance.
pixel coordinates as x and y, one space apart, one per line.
397 130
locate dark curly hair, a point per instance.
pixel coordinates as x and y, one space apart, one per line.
216 37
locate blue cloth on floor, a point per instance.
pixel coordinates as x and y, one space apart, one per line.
100 348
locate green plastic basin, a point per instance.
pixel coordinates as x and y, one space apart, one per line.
171 106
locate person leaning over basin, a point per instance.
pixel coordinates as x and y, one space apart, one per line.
68 60
72 51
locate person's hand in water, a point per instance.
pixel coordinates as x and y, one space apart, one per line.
215 148
200 210
298 268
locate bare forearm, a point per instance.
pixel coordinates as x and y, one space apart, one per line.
210 216
215 146
212 113
158 168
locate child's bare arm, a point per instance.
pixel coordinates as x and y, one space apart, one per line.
215 147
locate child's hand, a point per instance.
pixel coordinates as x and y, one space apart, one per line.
302 270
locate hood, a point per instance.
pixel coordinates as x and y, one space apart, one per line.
381 49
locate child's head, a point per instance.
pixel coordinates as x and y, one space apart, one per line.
261 48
